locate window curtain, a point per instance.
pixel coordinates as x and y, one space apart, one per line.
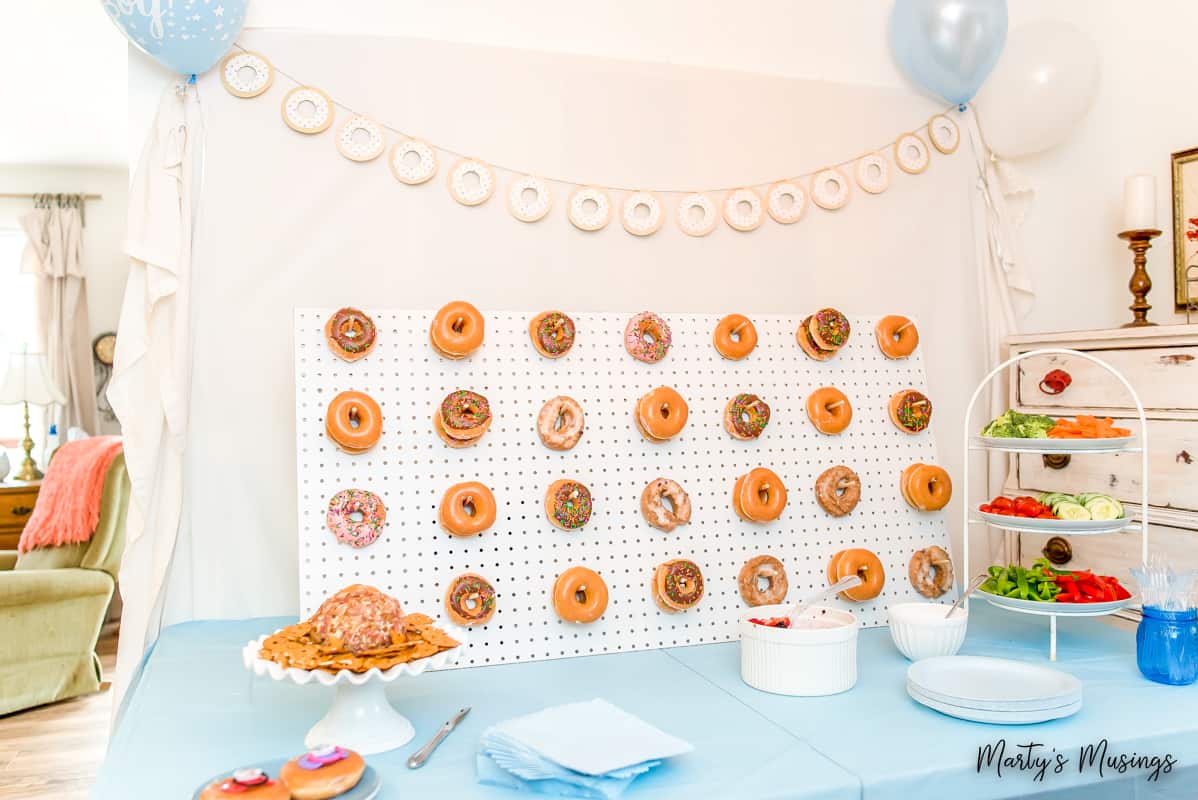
54 255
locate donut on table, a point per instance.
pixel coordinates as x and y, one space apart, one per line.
350 334
462 418
467 509
863 563
897 336
560 423
579 595
931 571
829 410
661 414
552 333
354 422
746 416
734 337
926 487
470 600
568 504
657 513
457 330
759 496
323 773
677 585
829 329
808 345
838 490
910 410
253 784
347 504
762 569
647 337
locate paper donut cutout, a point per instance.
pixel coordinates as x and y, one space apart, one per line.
872 173
592 219
637 225
776 203
261 77
911 154
409 173
293 107
367 150
529 210
830 189
739 218
471 195
700 226
944 133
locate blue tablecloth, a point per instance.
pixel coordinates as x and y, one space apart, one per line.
196 710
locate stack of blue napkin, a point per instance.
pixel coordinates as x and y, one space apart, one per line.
591 749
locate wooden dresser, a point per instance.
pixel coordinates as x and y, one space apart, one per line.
1161 362
16 505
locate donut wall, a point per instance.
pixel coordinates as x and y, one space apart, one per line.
410 469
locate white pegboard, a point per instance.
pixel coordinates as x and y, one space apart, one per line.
410 468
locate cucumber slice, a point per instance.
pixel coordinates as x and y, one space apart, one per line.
1071 511
1104 507
1085 497
1049 498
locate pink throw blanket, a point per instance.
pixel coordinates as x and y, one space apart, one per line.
68 504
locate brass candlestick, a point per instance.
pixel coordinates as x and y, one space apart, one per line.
28 470
1138 242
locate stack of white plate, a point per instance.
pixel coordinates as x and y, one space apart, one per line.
994 690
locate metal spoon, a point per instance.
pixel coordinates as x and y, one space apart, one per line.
847 582
973 585
418 758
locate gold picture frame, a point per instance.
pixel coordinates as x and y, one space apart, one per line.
1185 222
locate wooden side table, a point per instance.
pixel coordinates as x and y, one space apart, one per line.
16 506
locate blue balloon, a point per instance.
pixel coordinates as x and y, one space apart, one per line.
187 36
948 46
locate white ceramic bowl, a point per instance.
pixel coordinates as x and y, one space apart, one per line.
802 662
919 630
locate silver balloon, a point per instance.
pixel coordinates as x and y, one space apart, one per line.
948 46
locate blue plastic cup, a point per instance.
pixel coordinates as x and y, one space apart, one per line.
1167 645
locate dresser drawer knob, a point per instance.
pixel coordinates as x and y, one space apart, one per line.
1058 550
21 511
1055 382
1056 460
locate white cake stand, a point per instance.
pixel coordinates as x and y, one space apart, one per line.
360 718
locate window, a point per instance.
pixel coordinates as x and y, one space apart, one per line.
18 327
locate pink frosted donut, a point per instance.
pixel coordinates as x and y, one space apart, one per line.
647 337
347 530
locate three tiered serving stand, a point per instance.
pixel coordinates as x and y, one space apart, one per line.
1137 443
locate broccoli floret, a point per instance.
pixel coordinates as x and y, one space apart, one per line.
1012 424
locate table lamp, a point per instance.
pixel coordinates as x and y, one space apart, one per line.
26 381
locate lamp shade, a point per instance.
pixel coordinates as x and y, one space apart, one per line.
27 380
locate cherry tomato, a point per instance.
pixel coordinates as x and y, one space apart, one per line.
1047 515
985 508
1027 507
1001 503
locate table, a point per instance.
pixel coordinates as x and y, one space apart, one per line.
196 710
16 505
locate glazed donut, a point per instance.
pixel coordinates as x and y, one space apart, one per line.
863 563
579 595
704 224
252 784
317 120
838 490
354 422
470 600
743 219
457 330
944 134
467 509
807 343
647 337
552 333
897 336
462 418
568 504
417 173
829 410
931 571
869 180
830 189
677 585
589 219
466 194
911 154
350 334
829 329
637 225
661 414
262 75
340 517
657 513
759 496
529 210
926 487
756 570
734 337
782 212
910 411
322 773
560 423
366 150
746 416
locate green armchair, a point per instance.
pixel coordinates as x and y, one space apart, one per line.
52 606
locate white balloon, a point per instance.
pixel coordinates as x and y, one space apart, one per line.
1044 83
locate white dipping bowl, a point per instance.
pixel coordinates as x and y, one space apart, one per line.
919 630
817 658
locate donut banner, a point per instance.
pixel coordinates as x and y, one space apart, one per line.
567 486
471 181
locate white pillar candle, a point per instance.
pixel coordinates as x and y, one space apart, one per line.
1139 202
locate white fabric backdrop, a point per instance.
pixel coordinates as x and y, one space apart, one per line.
286 221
